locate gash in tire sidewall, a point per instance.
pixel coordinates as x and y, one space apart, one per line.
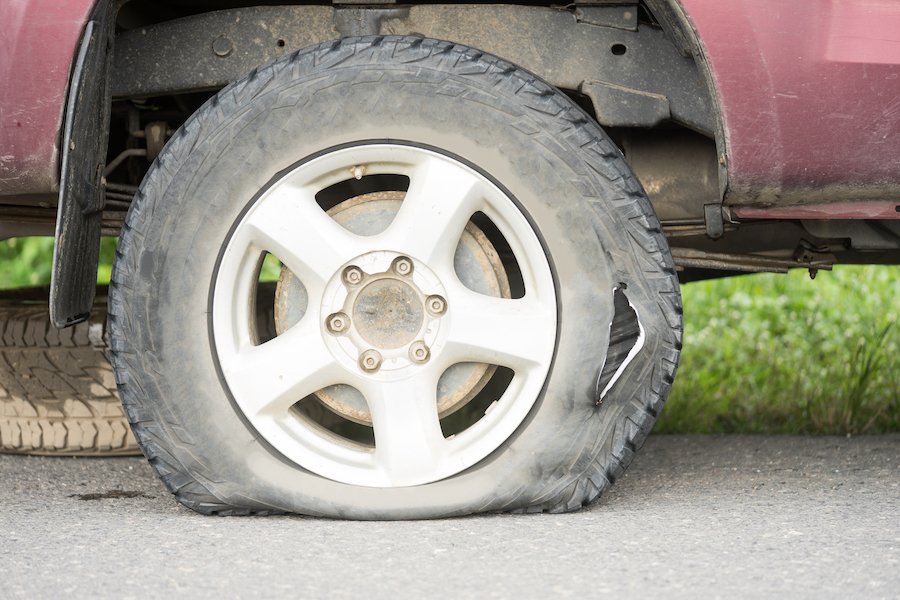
568 179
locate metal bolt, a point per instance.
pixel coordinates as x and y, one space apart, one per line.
402 266
370 361
352 275
222 46
338 323
419 352
436 305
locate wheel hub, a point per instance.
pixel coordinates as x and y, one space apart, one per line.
388 313
384 326
478 265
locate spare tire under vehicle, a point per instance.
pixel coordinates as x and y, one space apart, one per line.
477 310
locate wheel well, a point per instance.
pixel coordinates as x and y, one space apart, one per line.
630 66
636 67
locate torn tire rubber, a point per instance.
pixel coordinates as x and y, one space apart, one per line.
57 390
320 159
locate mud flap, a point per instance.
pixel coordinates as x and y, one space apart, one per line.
77 247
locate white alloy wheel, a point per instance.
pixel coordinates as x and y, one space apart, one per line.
387 315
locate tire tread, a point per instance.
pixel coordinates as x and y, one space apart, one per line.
57 390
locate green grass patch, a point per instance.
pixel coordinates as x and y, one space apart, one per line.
28 261
25 262
762 353
784 354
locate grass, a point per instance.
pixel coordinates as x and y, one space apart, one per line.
25 261
28 261
762 354
783 354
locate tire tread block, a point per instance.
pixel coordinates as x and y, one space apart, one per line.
57 388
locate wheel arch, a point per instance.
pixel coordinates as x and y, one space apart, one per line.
638 68
637 62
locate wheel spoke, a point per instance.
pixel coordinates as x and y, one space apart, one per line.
517 334
409 444
268 379
439 202
288 223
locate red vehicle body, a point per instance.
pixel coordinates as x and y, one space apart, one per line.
36 37
809 96
512 189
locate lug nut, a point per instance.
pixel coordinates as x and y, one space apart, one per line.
352 275
338 323
370 361
419 352
402 266
436 305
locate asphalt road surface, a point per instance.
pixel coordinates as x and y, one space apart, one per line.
730 516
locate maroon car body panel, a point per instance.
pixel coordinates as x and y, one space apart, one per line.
866 209
809 94
38 41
